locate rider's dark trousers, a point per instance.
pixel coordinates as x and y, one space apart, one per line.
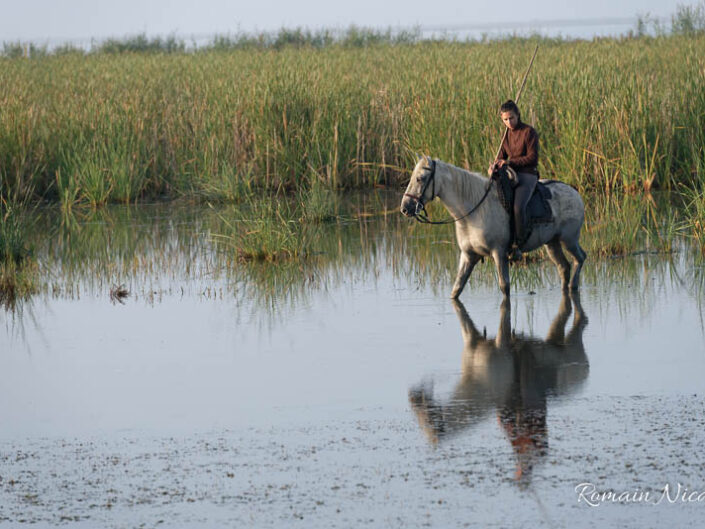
522 194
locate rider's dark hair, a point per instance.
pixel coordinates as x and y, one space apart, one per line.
510 106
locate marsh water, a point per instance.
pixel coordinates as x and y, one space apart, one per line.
345 390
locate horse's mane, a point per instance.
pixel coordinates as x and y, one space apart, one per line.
467 185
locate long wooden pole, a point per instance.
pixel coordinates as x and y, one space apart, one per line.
516 99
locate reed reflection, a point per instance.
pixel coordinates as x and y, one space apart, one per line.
512 376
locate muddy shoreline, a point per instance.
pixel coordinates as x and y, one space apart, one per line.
372 471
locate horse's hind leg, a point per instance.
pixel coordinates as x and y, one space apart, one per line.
556 255
579 256
468 260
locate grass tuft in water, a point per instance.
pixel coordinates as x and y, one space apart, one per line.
18 270
694 226
268 230
18 282
318 204
13 243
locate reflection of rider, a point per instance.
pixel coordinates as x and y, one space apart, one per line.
520 151
523 416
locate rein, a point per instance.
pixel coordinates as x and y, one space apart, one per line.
421 215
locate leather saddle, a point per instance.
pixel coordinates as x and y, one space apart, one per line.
538 210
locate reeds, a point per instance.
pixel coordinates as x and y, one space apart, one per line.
613 114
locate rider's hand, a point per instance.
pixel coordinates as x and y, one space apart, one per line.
496 165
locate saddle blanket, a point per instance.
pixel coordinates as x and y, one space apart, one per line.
538 209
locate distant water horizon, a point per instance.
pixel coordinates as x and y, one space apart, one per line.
569 29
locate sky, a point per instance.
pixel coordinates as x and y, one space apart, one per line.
49 21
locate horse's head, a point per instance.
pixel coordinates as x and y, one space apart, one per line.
421 189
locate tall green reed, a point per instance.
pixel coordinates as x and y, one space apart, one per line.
613 114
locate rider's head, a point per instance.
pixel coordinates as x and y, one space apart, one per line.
509 112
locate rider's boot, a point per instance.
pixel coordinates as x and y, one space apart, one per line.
515 254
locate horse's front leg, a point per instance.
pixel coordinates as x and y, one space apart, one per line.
502 265
468 260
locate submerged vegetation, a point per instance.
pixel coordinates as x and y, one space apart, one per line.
17 267
13 244
17 282
266 231
695 212
158 251
619 225
276 228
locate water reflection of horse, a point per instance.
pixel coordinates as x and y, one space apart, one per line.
511 375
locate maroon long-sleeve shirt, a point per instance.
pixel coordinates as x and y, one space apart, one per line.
521 148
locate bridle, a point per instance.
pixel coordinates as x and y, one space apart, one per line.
420 205
421 215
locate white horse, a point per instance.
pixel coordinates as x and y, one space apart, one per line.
482 224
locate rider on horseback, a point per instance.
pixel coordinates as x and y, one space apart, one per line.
520 151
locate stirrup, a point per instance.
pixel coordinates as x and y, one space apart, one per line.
515 254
